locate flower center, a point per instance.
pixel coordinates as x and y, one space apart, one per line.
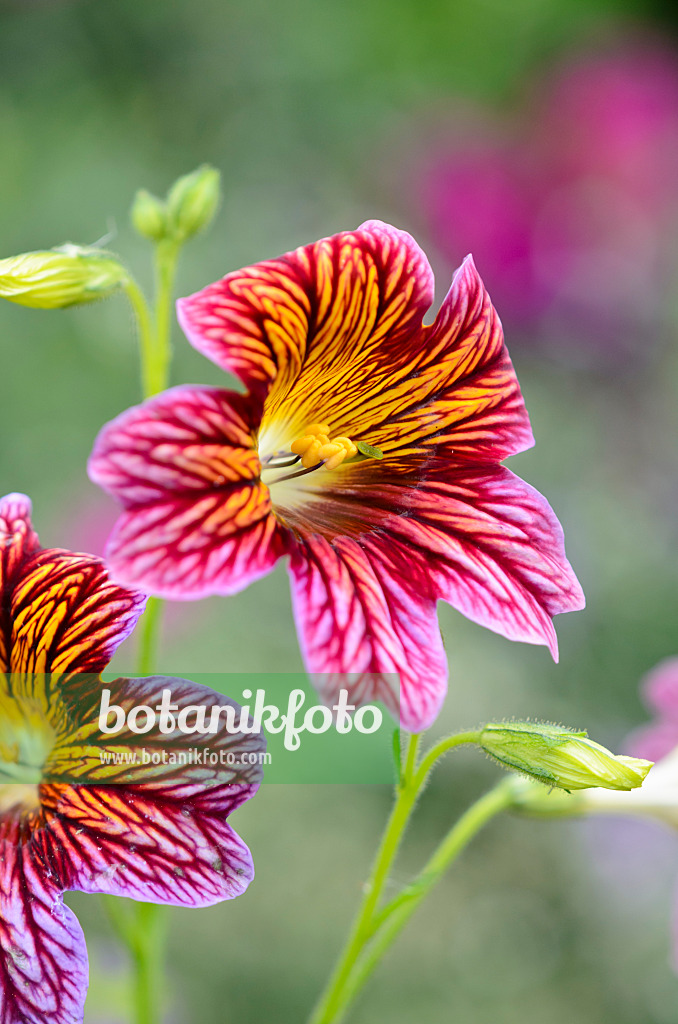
313 450
26 741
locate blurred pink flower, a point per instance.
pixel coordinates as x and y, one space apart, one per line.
570 213
625 849
660 692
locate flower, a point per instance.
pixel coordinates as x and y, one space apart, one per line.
570 209
68 820
330 344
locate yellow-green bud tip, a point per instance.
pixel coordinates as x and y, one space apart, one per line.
561 757
192 202
56 278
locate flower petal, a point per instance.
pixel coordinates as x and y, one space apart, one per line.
196 547
67 615
156 844
43 959
198 520
317 309
375 557
18 540
155 832
490 545
457 393
357 614
83 752
184 441
334 332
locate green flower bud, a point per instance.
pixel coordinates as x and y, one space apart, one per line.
56 278
149 215
192 202
560 757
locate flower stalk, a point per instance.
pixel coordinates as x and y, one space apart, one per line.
360 955
396 915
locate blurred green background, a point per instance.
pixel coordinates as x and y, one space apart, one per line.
316 112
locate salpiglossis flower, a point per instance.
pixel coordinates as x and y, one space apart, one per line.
68 820
330 345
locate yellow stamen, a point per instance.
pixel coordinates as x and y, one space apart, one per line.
336 460
346 443
311 455
302 444
316 446
327 450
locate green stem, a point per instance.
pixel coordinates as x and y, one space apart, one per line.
149 638
397 914
441 748
146 335
410 785
141 927
166 259
148 954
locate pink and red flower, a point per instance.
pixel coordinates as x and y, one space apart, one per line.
338 366
68 820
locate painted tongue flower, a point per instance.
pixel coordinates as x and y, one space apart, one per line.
163 841
367 448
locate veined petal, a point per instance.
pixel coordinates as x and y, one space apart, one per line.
66 614
334 332
43 960
356 613
83 752
491 546
376 555
188 549
317 311
184 441
456 393
198 520
160 844
154 832
18 541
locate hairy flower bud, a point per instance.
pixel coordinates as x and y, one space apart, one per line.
560 757
192 202
56 278
149 215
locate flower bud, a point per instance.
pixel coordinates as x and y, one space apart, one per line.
560 757
56 278
192 202
149 215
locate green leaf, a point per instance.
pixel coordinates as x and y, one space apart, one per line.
369 450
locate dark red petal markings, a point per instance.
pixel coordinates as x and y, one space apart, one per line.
67 615
357 612
197 519
317 309
43 960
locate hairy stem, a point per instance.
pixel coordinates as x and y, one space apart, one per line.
412 780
